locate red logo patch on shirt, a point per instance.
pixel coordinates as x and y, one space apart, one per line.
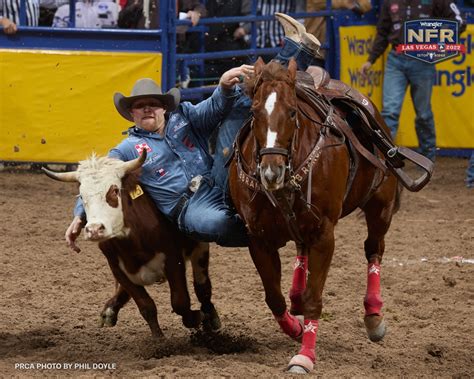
188 143
161 171
394 8
142 146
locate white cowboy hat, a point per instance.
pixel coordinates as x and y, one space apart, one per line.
146 88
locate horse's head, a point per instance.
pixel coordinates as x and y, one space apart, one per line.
274 108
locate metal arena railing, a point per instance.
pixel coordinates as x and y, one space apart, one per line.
164 39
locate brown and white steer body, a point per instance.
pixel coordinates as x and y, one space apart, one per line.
141 245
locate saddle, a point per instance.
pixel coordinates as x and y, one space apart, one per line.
323 94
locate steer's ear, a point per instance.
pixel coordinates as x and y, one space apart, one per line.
61 176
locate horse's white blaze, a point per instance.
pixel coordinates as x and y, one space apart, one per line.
270 103
271 138
269 107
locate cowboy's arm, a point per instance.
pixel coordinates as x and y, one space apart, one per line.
383 31
207 115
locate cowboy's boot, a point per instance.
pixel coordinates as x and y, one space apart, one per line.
296 31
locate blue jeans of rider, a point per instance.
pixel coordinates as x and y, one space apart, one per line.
400 72
209 214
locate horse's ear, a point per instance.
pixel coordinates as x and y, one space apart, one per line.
292 66
258 66
250 83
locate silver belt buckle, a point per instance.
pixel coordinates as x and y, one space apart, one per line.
195 183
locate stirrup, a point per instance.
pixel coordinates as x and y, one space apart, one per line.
413 185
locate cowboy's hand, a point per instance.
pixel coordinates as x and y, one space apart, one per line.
9 27
364 70
235 75
72 233
194 16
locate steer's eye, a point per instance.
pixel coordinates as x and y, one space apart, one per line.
116 192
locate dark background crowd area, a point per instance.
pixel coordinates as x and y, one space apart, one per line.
211 37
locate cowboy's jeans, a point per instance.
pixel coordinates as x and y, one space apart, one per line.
401 71
209 215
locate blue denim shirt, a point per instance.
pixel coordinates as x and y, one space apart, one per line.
178 156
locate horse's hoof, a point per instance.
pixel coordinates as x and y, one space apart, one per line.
192 319
375 326
211 322
300 364
107 318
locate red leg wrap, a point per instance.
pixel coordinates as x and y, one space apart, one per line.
289 324
299 284
373 300
308 346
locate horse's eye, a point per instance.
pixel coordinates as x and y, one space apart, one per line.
293 114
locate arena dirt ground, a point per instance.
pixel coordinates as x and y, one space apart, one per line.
51 298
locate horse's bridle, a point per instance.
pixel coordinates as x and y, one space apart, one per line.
286 152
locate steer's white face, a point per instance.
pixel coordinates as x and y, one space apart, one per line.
100 189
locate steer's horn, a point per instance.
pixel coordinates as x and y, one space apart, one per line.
134 164
61 176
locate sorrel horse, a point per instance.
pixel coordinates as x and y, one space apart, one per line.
292 178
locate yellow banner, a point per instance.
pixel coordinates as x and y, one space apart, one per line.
453 95
355 43
56 106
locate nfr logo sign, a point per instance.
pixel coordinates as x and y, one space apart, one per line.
431 41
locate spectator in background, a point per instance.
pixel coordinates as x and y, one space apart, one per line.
47 10
89 14
10 14
223 37
317 25
187 42
269 33
145 14
401 70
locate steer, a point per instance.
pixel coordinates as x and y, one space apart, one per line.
141 245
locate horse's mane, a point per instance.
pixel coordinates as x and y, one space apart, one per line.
272 71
